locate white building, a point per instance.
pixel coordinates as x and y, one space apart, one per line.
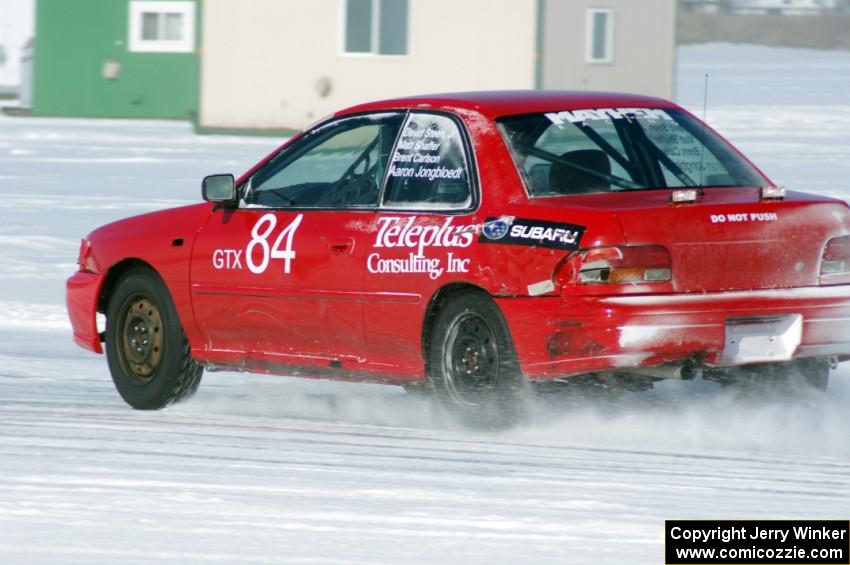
270 64
17 25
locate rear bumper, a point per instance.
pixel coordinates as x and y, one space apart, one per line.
81 296
562 336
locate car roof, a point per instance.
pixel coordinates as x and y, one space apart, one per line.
496 103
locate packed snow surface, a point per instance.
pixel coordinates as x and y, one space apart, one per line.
261 469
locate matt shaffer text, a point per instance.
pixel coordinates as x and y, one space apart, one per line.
727 534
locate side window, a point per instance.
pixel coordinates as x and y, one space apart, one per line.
429 168
340 164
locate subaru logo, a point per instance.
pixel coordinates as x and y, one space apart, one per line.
496 229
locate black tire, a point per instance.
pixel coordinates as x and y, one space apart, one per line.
472 365
148 353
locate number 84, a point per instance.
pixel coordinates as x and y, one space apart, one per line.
260 235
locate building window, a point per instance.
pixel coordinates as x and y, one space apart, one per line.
600 36
162 27
376 26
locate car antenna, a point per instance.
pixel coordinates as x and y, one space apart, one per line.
702 134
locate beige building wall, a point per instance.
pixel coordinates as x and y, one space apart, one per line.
265 63
644 47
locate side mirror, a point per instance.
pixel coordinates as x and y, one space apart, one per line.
219 188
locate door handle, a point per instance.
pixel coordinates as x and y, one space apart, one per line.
342 246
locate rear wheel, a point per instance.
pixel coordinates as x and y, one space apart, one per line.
148 353
472 365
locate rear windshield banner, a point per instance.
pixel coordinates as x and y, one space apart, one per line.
535 233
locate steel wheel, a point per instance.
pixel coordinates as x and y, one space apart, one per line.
148 354
141 338
472 364
471 359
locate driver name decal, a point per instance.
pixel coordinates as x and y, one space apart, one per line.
420 154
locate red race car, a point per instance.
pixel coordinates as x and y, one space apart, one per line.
472 243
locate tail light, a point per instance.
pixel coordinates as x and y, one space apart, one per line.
616 265
836 257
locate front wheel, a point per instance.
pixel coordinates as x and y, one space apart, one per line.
148 353
472 364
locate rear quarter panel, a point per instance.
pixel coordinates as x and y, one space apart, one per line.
506 269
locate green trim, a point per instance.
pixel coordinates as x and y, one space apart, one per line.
538 45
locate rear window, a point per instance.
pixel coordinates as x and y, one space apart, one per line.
615 149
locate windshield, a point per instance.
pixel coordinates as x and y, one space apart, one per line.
614 149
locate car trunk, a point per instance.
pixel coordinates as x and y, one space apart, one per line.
730 239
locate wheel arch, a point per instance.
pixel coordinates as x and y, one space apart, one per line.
438 299
114 274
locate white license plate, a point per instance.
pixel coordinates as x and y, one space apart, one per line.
760 339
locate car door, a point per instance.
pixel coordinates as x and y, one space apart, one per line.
422 236
279 279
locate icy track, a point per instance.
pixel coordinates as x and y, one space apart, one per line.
276 470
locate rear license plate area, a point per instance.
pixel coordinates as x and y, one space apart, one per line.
757 339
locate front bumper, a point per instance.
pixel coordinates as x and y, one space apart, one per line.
568 335
82 292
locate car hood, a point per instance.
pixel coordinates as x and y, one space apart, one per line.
184 219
